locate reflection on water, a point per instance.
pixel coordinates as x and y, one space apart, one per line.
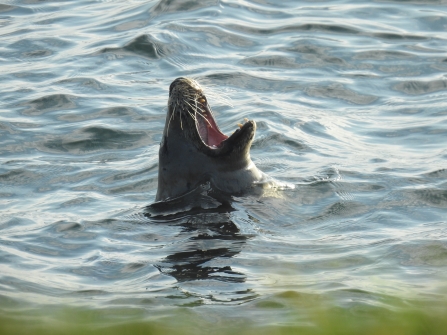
350 104
211 240
222 240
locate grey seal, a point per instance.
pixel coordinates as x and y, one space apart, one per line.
193 151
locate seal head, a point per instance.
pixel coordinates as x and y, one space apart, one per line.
194 150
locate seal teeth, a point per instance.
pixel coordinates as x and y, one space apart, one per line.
242 124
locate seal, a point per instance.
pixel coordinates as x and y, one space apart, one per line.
193 150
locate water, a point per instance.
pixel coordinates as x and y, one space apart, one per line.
350 102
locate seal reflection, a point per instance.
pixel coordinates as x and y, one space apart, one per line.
212 237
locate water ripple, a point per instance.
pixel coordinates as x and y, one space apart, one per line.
349 100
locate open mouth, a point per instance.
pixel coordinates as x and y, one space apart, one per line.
207 127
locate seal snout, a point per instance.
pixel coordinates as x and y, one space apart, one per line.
174 83
186 83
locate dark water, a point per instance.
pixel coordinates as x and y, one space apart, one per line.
350 99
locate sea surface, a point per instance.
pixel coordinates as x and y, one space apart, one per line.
350 100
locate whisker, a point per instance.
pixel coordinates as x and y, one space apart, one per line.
192 116
194 108
180 117
172 114
209 108
197 109
219 96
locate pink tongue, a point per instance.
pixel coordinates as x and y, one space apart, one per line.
215 137
212 141
212 136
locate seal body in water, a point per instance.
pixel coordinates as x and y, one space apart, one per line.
194 151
